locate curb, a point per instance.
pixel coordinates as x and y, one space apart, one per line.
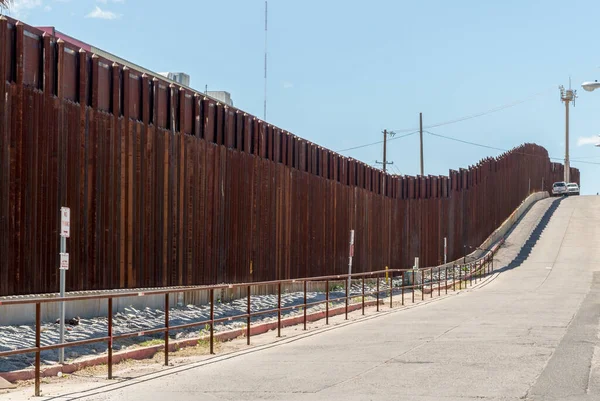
150 351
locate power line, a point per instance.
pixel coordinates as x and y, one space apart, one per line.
480 114
501 149
588 157
396 169
468 117
377 143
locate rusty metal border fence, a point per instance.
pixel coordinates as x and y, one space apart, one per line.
478 269
169 187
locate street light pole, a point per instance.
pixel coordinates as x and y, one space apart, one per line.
567 96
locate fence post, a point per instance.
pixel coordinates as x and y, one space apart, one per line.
439 281
414 286
363 295
377 292
431 282
327 301
446 278
349 278
212 320
304 304
471 270
422 284
248 321
402 287
167 329
391 289
110 338
38 324
279 310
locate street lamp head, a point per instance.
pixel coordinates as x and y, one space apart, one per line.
590 86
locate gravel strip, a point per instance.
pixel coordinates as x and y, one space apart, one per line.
134 320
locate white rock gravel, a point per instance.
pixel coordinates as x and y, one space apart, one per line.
134 320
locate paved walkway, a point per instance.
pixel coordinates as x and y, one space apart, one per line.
529 332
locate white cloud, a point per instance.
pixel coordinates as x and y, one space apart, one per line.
20 8
102 14
288 85
47 8
588 140
114 1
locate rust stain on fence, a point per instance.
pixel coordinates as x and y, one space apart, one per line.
168 187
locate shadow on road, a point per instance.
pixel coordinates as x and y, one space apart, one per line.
533 237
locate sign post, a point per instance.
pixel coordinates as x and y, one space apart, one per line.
65 232
351 254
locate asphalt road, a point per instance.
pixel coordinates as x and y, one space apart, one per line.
528 332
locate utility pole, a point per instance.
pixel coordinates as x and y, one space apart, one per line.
385 162
421 135
567 96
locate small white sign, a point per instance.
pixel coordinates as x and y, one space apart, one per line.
64 261
65 222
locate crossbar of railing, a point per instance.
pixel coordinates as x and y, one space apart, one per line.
478 268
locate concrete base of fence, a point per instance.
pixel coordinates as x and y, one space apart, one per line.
16 315
174 345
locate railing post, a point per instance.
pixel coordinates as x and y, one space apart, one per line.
327 301
212 320
414 286
110 338
304 304
402 287
248 321
423 285
446 278
391 289
431 282
363 295
38 325
347 292
167 329
377 292
279 310
471 270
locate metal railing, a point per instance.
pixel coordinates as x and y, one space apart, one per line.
475 270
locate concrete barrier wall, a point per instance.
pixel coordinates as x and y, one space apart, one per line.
513 219
25 314
505 227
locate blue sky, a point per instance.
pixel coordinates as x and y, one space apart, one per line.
340 71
